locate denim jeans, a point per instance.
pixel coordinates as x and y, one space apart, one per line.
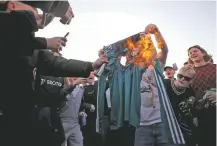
151 135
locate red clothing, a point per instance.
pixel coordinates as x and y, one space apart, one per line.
204 79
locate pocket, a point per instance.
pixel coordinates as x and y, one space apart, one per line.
146 99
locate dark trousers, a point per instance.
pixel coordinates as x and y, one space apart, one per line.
1 119
49 128
207 127
91 137
17 128
123 136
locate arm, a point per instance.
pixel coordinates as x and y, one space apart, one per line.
22 25
51 65
162 55
40 43
67 90
26 23
85 105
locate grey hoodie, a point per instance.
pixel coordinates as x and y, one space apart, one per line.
70 111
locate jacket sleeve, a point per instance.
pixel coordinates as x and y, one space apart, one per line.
40 43
85 105
22 25
50 65
67 90
27 21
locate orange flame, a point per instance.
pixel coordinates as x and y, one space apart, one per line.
143 51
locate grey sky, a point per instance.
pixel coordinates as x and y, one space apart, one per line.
183 23
194 21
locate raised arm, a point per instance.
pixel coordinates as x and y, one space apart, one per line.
162 55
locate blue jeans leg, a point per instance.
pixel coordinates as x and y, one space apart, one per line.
151 135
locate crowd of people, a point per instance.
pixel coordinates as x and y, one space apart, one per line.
58 102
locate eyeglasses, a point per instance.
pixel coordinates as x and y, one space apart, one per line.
181 76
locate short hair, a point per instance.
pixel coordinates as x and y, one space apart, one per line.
185 63
187 71
206 55
168 67
3 5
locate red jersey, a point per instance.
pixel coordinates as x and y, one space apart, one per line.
204 79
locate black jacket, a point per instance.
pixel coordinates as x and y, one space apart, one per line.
17 46
47 90
18 41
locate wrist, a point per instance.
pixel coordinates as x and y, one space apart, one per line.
47 42
74 84
93 66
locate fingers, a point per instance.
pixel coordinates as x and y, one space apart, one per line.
70 11
151 28
70 15
64 39
83 114
67 17
92 109
213 102
81 80
60 49
100 52
62 43
68 22
104 60
84 81
210 97
102 56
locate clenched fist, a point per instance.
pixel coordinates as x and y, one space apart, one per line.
67 17
151 28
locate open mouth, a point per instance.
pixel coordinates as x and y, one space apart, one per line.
194 56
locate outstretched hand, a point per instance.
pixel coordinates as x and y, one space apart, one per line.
101 60
79 81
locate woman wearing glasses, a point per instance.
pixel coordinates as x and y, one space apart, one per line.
182 100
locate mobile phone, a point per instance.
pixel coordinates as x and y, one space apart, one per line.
175 66
66 34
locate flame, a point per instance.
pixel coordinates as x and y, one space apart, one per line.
143 51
